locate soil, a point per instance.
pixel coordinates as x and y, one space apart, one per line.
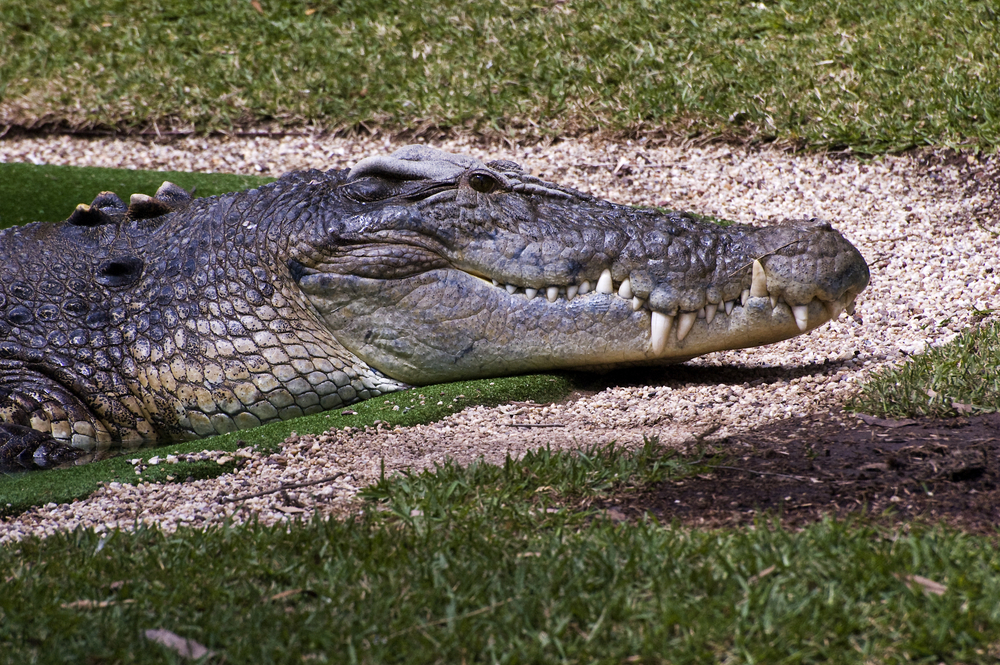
836 464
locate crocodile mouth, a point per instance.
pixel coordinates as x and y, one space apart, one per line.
670 329
448 323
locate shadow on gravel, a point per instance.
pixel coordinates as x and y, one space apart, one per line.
836 464
682 375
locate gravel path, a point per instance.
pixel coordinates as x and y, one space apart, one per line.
919 221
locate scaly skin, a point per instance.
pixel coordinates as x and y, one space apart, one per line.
173 319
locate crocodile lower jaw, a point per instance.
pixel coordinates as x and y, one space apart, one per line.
671 329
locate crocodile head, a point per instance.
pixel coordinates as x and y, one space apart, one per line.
433 267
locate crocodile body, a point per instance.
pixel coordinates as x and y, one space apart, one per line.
171 318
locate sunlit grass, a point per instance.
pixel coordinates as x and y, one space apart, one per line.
871 76
501 564
958 378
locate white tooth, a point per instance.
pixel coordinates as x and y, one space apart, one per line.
625 290
604 284
850 308
552 293
744 297
774 301
801 314
684 324
637 303
531 293
571 291
710 310
729 306
496 283
659 329
758 288
701 313
585 288
511 289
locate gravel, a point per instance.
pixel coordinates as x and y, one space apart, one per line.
918 220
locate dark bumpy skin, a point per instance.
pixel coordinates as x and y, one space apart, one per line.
172 318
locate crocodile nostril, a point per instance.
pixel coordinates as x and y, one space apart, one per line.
119 272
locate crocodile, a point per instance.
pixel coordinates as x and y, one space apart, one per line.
171 317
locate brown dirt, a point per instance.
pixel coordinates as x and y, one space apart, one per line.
802 469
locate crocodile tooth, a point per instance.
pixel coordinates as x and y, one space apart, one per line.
710 310
701 313
531 293
774 301
850 308
511 289
685 323
604 284
585 287
496 283
571 292
552 293
801 314
758 288
744 297
637 303
835 309
659 329
729 306
625 290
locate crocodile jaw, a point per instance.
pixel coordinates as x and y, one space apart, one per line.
446 325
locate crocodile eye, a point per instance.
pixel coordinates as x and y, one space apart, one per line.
483 183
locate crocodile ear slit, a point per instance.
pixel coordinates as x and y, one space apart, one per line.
121 271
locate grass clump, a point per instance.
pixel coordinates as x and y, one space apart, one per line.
540 477
871 76
487 564
958 378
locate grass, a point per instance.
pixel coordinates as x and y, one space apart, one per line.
958 378
509 564
499 564
36 193
18 492
869 76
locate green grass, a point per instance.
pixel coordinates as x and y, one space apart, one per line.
30 193
958 378
873 76
18 492
496 564
506 564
